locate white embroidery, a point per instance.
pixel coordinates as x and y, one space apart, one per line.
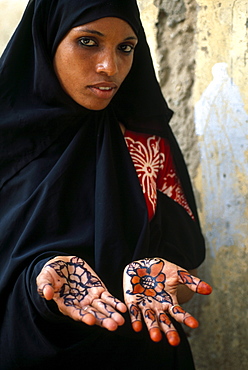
148 161
175 191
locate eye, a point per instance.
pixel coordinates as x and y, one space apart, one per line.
126 48
86 41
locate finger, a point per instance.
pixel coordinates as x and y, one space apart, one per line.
191 322
204 288
47 292
155 334
152 324
173 338
137 326
194 283
108 311
169 329
102 320
182 316
135 316
78 314
44 283
114 302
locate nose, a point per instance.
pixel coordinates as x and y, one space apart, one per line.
107 63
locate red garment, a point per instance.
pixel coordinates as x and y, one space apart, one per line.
155 169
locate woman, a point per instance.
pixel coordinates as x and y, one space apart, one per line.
94 190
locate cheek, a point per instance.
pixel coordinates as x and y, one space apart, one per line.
126 67
66 70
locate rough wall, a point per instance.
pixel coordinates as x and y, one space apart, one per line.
221 121
201 55
170 27
200 50
10 13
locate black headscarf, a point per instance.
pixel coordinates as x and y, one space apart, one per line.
68 184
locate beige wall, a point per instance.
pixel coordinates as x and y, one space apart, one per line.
10 14
221 120
202 47
200 50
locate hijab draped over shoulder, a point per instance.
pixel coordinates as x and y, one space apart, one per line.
67 182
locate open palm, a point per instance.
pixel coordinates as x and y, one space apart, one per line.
150 290
79 292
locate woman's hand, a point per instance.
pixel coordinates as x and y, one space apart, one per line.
150 290
79 293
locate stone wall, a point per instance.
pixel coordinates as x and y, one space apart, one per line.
10 14
200 52
221 122
202 57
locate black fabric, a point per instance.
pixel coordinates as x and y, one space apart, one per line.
69 187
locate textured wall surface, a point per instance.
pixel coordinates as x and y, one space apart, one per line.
200 50
171 25
10 13
202 60
221 121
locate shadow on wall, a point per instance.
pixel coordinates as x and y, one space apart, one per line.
221 120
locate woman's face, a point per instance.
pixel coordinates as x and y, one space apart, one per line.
93 60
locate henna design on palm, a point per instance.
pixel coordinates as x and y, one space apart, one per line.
78 280
79 292
148 282
150 288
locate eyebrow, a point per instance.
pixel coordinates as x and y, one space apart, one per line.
94 32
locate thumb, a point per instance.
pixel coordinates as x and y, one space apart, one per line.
44 283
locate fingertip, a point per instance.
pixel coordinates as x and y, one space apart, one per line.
110 324
122 307
48 292
173 338
89 319
204 288
191 322
120 320
155 335
137 326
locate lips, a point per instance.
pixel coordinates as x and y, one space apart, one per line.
104 90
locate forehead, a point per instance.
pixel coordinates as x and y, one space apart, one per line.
106 26
63 15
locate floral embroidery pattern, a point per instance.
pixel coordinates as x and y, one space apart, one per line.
148 282
155 169
148 160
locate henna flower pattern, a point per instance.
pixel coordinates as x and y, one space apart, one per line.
148 280
78 280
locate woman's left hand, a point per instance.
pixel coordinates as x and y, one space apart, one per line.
150 290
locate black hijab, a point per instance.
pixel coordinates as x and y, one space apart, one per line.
68 184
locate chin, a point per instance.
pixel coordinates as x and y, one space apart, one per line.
96 106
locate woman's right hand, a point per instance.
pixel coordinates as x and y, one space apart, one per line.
79 293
